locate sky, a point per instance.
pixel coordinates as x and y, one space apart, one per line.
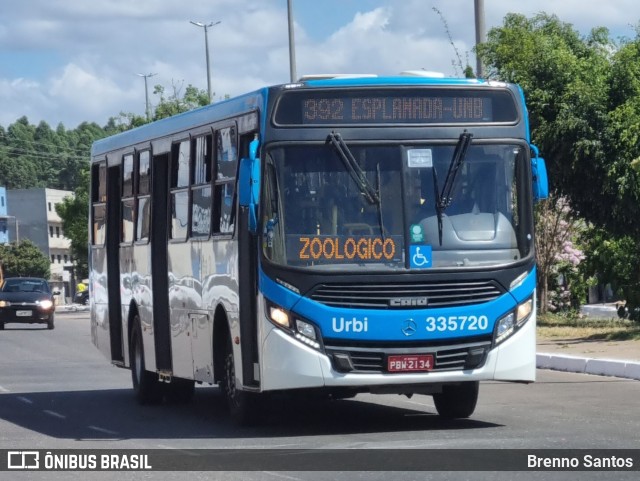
71 61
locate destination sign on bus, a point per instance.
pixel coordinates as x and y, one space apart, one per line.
398 106
340 249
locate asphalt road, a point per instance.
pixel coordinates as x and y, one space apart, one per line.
58 392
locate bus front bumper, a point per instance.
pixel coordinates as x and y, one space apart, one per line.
289 364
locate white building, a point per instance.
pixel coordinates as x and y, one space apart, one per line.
35 213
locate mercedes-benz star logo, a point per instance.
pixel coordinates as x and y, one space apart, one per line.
409 327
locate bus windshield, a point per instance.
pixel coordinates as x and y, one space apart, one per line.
318 214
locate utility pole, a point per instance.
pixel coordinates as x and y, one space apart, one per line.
481 34
146 93
292 43
206 47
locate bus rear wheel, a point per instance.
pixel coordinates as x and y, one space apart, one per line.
146 386
457 401
243 406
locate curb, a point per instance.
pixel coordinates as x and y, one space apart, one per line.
585 365
71 308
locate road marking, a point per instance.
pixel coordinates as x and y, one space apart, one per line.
25 399
423 404
280 475
54 414
184 451
102 430
2 389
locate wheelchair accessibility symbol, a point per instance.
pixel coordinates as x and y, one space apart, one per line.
420 256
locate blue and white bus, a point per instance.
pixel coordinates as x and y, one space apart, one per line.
336 235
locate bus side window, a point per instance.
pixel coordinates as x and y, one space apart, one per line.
179 196
128 201
143 186
99 197
226 167
201 187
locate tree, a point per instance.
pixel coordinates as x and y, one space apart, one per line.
24 259
557 231
565 78
583 95
168 106
37 156
174 104
74 212
616 260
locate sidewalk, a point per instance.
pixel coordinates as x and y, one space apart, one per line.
604 358
71 308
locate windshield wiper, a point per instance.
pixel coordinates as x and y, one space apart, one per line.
354 168
444 198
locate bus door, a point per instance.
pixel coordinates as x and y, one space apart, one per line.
190 225
114 222
159 268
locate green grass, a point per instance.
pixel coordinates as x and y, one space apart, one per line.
572 326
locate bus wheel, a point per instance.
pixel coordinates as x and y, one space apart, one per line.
1 326
50 322
146 386
457 400
180 391
243 405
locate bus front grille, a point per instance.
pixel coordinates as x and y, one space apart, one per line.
406 295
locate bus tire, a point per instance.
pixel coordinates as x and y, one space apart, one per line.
146 386
50 324
180 391
457 401
243 406
1 326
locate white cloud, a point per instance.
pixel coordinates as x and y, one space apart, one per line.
78 89
77 61
21 97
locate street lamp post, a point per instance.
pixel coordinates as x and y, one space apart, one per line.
481 34
146 93
206 46
292 43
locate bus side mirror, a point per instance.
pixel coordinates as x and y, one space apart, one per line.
539 171
249 184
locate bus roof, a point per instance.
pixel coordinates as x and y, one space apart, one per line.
398 80
181 122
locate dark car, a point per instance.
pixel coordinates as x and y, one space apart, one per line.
26 300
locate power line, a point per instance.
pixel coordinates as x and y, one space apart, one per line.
46 144
18 151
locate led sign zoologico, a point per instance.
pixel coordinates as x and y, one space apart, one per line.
344 248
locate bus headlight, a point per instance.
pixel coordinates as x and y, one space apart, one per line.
292 324
279 316
524 311
5 303
510 323
505 327
306 329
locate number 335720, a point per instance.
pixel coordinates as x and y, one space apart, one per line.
457 323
